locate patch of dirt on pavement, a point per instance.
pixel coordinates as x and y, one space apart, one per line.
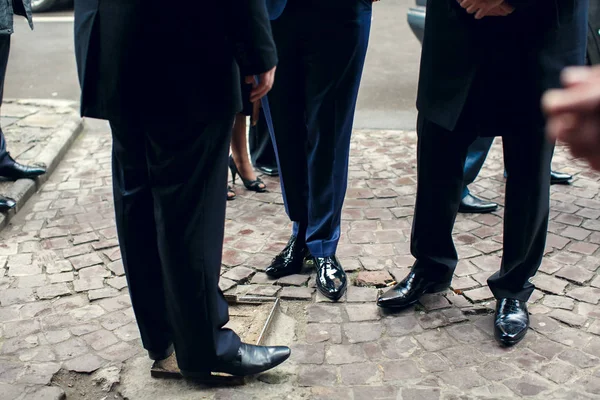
83 387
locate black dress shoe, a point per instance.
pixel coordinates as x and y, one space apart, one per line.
511 321
270 171
6 203
289 261
250 360
409 291
331 278
15 171
559 178
472 205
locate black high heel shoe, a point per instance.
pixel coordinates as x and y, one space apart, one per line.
230 193
250 185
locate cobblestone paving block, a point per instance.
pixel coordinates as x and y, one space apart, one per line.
569 318
361 294
529 385
586 294
345 354
38 373
52 291
239 274
317 375
86 284
464 379
575 274
293 280
363 312
21 328
85 260
85 364
324 313
103 293
296 293
360 374
15 296
550 284
578 358
359 332
478 295
373 278
316 333
263 290
128 332
435 340
375 392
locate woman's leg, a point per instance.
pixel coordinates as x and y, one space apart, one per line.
239 150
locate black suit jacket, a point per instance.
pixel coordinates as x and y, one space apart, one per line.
147 58
493 71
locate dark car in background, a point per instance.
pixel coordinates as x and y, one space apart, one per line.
48 5
416 19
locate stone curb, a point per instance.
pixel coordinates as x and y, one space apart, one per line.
62 139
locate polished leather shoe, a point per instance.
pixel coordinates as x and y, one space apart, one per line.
511 321
270 171
559 178
289 261
473 205
250 360
6 203
15 171
409 291
331 278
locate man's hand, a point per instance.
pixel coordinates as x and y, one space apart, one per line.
485 8
502 11
265 83
574 113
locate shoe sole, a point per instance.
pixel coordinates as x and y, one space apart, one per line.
440 287
491 210
508 342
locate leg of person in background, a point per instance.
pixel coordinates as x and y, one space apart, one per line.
9 168
476 156
239 162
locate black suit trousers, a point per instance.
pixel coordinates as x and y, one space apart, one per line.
169 189
4 53
440 163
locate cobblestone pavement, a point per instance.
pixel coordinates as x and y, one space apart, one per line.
64 302
36 131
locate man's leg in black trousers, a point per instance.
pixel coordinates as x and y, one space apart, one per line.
187 162
4 53
136 227
441 157
526 213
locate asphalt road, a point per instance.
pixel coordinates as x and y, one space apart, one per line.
42 65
